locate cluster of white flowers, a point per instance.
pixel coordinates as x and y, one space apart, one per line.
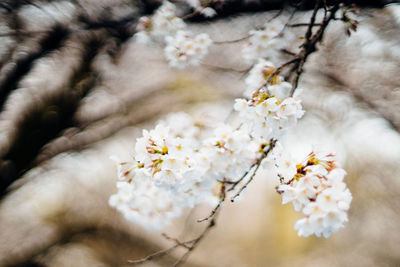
174 169
318 190
229 158
140 201
180 164
264 42
270 110
163 23
183 49
261 43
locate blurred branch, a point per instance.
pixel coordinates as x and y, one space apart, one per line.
22 33
393 118
44 122
51 42
115 239
63 103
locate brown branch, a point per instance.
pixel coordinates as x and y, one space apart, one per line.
312 19
177 242
307 47
285 51
278 70
311 40
215 210
280 11
234 184
303 25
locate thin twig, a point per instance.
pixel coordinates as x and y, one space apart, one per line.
248 182
215 210
284 50
265 154
234 184
302 25
212 212
311 40
276 15
154 255
287 23
196 241
278 70
177 242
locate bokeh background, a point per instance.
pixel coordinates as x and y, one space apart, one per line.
76 89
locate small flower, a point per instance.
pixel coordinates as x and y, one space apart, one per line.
183 49
208 12
261 43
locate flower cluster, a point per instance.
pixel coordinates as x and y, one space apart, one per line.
270 110
228 156
163 23
185 166
174 168
317 189
261 43
140 201
264 42
183 49
181 166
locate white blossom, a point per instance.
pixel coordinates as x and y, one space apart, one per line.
261 42
163 23
208 12
258 77
145 204
268 116
228 156
183 49
265 42
318 191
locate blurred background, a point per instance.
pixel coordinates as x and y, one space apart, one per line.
75 89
